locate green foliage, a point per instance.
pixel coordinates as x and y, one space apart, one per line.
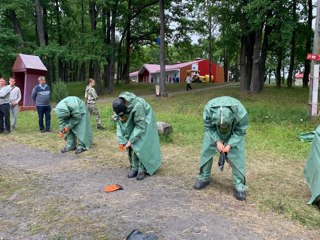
59 91
76 89
8 51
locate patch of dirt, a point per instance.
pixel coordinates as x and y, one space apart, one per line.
59 196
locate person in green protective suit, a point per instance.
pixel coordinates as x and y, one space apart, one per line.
225 123
74 124
137 132
312 169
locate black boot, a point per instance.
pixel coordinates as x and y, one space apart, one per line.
132 173
240 194
67 149
79 150
141 175
200 184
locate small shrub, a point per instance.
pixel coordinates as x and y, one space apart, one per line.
59 91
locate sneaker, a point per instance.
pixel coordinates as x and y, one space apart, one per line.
200 184
80 150
240 194
42 131
48 131
141 175
6 132
132 173
67 149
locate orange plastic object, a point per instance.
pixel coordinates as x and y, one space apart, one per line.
65 130
122 148
113 187
61 134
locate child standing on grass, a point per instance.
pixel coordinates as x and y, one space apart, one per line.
91 96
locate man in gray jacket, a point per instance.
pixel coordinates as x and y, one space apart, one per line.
4 107
41 95
15 97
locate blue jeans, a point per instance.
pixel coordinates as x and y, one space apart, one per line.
44 110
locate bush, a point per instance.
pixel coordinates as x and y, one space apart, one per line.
59 91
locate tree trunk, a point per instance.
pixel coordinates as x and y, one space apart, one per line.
163 91
94 69
93 14
278 70
265 47
293 45
128 46
226 65
39 23
210 43
11 14
110 38
255 75
243 72
247 43
45 22
307 63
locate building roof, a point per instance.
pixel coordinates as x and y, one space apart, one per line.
24 62
133 74
155 68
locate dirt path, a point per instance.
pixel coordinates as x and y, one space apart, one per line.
60 196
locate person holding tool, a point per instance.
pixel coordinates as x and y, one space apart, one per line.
225 122
137 133
75 124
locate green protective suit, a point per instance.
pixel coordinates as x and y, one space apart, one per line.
141 130
312 168
230 112
73 114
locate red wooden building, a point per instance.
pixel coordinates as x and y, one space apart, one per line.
26 70
151 72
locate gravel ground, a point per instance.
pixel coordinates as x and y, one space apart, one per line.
61 196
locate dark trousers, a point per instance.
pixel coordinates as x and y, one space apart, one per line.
44 110
5 115
189 86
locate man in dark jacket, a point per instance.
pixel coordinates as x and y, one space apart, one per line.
41 95
4 107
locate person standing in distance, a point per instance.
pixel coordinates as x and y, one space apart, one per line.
15 97
4 107
91 96
41 95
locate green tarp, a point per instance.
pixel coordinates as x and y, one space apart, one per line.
312 168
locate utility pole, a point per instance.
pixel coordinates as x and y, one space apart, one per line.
314 83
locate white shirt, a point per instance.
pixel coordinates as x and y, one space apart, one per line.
15 95
188 80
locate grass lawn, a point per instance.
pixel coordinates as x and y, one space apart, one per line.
275 156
